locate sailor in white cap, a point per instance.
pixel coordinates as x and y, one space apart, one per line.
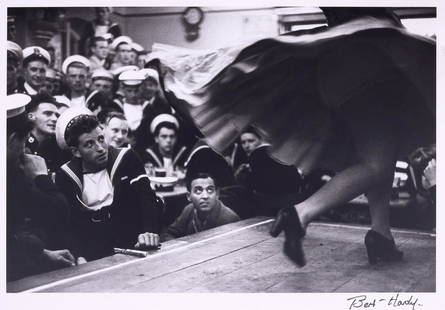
166 152
107 189
17 125
35 63
76 69
122 47
150 89
135 50
153 105
14 61
131 104
99 54
31 197
43 112
102 80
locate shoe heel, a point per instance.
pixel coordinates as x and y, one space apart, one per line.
277 226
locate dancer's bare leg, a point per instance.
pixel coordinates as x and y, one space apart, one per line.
376 145
378 198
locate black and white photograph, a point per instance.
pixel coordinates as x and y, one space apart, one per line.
249 152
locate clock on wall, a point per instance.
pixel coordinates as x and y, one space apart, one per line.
192 17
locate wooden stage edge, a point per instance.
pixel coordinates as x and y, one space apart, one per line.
243 257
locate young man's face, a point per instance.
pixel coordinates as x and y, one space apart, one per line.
166 140
131 93
141 61
116 132
103 85
76 78
35 73
149 88
100 49
44 119
124 54
203 194
93 150
249 142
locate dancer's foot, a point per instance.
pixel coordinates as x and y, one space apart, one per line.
287 219
380 248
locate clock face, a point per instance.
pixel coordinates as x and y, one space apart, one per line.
193 15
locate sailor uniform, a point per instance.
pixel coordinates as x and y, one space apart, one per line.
153 156
135 208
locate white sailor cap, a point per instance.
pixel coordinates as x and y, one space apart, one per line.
131 78
161 118
72 59
15 50
150 74
101 74
62 100
16 103
36 53
119 40
65 120
119 70
137 47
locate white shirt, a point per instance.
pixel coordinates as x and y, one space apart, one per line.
133 114
31 91
101 30
168 165
78 102
98 190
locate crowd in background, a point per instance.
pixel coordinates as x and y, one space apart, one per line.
114 94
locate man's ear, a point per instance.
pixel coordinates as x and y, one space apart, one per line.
188 196
157 140
31 116
75 151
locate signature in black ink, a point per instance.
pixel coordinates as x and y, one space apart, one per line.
395 301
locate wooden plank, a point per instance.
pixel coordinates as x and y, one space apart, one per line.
56 275
167 261
185 279
277 274
38 280
333 265
233 258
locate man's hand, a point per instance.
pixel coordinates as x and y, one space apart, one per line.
60 258
81 260
34 165
147 240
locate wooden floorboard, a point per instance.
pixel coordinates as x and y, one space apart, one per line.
233 258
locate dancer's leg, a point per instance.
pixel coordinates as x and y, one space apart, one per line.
375 140
378 198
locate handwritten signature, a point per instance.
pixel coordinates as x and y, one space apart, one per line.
395 301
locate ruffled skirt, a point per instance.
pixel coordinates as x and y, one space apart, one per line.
295 91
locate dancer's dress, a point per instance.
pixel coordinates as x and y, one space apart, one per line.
294 89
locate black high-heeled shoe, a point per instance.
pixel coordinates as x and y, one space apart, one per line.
287 219
379 248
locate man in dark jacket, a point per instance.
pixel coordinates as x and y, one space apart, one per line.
36 211
111 201
205 210
42 112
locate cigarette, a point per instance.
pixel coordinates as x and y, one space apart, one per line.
136 253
